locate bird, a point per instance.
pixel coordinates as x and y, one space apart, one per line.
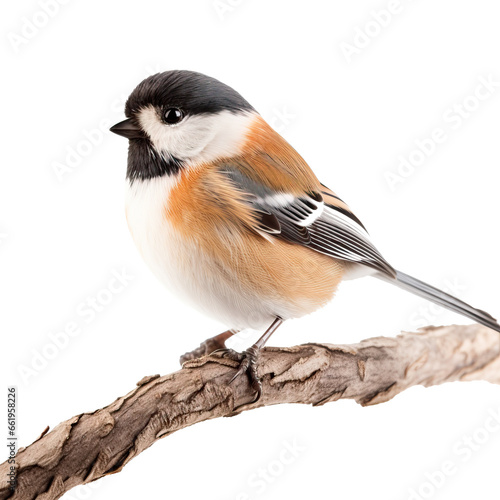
231 218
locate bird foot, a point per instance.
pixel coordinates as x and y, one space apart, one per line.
248 365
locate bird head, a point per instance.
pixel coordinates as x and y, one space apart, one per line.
177 119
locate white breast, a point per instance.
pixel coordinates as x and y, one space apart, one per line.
145 206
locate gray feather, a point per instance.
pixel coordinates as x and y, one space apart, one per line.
441 298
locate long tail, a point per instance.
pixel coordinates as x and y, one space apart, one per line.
441 298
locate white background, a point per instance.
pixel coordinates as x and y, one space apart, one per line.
62 236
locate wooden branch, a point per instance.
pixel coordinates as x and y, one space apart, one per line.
92 445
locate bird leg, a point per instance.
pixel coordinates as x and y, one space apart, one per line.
248 359
209 346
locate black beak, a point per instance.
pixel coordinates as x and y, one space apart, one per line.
129 129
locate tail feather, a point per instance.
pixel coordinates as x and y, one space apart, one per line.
441 298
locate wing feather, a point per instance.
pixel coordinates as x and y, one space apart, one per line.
319 220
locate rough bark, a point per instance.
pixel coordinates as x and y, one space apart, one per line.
92 445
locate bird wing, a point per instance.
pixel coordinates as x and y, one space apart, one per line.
317 219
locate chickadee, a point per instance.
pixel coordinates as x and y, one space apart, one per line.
226 213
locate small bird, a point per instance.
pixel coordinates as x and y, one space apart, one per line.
226 213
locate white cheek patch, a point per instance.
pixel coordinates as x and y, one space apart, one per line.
199 138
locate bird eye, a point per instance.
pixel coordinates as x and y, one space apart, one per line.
173 116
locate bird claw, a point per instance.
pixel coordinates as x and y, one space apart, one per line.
247 360
248 365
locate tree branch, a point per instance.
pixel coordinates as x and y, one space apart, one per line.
92 445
